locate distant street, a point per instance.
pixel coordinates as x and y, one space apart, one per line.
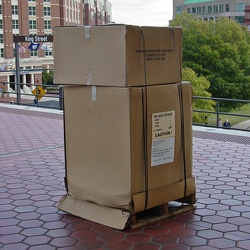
46 102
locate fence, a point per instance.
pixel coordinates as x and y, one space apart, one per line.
51 96
238 120
43 96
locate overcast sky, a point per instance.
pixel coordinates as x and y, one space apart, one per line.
142 12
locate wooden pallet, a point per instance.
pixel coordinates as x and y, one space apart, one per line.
163 211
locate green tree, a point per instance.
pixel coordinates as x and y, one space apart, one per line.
47 77
200 86
220 51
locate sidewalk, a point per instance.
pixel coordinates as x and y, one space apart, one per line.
243 125
32 182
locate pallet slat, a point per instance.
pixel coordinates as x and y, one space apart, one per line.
163 211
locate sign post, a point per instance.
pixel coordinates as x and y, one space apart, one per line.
18 98
21 39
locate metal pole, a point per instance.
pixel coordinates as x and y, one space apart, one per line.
36 96
60 98
217 112
17 73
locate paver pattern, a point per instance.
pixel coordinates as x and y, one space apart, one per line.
32 182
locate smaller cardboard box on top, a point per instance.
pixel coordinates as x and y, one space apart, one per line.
123 145
117 55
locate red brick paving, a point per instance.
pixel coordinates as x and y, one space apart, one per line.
32 182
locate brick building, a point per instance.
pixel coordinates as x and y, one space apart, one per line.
38 17
247 17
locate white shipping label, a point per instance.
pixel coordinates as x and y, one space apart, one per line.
163 138
162 151
163 125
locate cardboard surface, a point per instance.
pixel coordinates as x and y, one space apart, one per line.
119 218
164 194
187 100
108 216
117 55
97 133
106 130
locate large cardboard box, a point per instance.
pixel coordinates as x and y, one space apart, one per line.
125 150
117 55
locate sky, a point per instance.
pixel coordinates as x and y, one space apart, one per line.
142 12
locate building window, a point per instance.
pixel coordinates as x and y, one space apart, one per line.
32 10
215 8
1 24
204 10
93 14
46 1
1 10
194 10
2 53
46 11
33 1
32 24
1 38
178 10
198 10
48 53
209 9
227 7
239 19
47 24
14 24
221 8
33 52
14 9
240 7
188 10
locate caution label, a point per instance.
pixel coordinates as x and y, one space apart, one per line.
163 125
163 138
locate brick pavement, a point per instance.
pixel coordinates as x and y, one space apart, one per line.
31 184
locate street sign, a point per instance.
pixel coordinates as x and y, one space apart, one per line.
39 92
30 39
33 39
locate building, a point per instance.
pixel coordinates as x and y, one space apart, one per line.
96 12
212 9
247 17
38 17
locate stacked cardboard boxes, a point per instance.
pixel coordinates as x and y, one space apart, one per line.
128 121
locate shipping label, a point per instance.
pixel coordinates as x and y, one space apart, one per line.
162 151
163 138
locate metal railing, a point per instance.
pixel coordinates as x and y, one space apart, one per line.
51 96
42 96
236 124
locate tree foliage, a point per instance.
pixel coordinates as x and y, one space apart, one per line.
47 77
219 51
200 86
